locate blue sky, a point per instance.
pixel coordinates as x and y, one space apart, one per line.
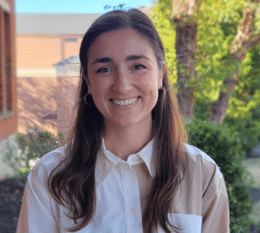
73 6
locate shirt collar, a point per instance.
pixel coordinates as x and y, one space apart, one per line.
106 161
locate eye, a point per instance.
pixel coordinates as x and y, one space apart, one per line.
139 67
103 70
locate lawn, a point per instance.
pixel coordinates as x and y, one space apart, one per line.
253 166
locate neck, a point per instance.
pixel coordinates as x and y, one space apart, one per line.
125 141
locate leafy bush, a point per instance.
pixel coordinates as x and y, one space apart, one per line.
29 147
224 146
248 130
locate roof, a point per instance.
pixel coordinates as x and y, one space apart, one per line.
54 23
40 23
71 60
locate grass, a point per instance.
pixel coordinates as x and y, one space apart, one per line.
253 166
255 216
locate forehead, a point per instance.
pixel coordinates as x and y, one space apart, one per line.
120 43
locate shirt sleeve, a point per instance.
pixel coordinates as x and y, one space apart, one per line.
216 218
36 213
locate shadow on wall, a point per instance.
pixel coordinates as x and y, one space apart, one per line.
47 103
66 91
36 99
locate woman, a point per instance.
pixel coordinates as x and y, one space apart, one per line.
126 167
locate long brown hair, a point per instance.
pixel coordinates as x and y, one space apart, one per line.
73 182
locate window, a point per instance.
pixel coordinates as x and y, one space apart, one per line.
71 40
5 63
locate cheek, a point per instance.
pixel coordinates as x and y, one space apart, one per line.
152 91
99 89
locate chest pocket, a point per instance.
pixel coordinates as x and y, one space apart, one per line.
185 222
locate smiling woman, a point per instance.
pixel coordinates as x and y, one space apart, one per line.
126 167
124 79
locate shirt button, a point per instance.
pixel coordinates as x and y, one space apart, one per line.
133 211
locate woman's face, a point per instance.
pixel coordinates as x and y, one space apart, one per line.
123 77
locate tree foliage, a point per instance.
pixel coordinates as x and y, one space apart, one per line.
217 26
160 16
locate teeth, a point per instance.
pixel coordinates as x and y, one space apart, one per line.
124 102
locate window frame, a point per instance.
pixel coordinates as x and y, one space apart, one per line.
6 96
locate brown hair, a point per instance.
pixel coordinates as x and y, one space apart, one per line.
73 184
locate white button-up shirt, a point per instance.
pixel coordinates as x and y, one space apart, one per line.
121 188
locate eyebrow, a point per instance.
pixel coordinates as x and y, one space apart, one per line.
129 58
136 57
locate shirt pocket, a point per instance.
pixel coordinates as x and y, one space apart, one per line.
185 222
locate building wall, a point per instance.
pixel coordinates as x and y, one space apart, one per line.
37 51
37 83
72 48
8 126
36 54
36 98
67 87
8 95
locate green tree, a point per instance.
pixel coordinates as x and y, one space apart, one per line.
238 50
212 40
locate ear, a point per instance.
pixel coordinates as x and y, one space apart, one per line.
161 73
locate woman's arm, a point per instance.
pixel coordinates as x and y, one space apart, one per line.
216 217
36 213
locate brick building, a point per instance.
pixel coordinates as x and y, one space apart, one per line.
8 96
46 39
67 83
42 41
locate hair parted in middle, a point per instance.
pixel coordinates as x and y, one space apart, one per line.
72 183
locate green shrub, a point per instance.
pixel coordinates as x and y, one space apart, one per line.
223 145
28 148
248 130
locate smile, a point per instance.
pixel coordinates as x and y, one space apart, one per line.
124 102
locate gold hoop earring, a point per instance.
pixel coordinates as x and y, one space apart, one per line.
163 95
85 100
163 89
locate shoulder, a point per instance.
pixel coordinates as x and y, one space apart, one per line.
201 169
194 157
46 164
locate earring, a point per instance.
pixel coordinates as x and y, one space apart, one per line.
163 93
85 100
163 89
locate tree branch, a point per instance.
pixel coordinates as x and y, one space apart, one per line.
253 41
244 30
238 48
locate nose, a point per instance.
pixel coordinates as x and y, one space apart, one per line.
122 82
